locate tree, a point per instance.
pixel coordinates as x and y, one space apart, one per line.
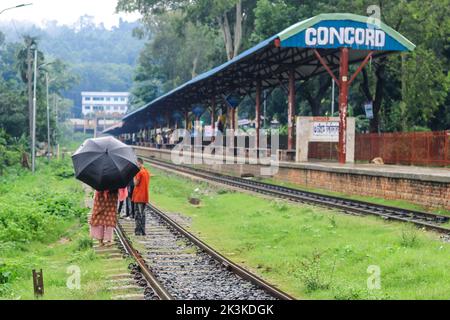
407 90
102 59
234 19
315 96
177 52
231 17
426 24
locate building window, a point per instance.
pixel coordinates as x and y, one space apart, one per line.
99 99
116 99
87 98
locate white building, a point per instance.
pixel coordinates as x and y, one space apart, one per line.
106 103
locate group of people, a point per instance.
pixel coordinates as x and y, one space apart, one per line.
168 138
135 197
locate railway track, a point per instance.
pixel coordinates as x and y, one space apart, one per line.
425 220
142 274
179 266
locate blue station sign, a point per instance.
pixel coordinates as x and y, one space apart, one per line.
328 31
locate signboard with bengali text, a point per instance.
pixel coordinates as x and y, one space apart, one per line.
326 131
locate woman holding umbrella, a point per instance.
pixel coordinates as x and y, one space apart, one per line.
107 165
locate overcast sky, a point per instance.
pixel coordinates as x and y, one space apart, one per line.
64 11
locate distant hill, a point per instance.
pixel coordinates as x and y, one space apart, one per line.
103 59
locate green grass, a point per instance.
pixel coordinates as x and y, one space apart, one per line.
55 259
43 225
402 204
310 252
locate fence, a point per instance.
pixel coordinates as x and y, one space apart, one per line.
407 148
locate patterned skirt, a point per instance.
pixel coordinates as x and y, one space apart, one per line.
104 216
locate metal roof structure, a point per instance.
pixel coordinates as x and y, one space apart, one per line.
270 62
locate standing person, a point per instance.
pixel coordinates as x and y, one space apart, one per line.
104 218
159 141
221 124
125 197
130 203
140 197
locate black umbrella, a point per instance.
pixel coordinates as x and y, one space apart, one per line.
105 164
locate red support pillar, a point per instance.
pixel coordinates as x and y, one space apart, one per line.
344 84
258 112
343 104
291 109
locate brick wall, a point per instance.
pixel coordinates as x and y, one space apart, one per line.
433 195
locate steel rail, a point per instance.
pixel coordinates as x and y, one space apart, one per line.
229 265
160 291
426 220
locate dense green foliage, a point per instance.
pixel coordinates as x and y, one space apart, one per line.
31 213
15 112
43 225
102 59
11 151
410 92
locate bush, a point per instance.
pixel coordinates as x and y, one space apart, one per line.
9 152
312 274
348 294
37 208
409 237
84 244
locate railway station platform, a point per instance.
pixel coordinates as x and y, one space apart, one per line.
425 186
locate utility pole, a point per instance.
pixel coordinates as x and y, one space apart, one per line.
15 7
55 101
48 121
33 135
30 85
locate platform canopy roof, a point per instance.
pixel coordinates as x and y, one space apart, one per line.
271 61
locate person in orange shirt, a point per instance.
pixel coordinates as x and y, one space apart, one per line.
141 197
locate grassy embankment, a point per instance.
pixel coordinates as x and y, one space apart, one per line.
402 204
393 203
311 252
43 225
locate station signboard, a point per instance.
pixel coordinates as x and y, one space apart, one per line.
329 31
326 131
368 107
323 129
